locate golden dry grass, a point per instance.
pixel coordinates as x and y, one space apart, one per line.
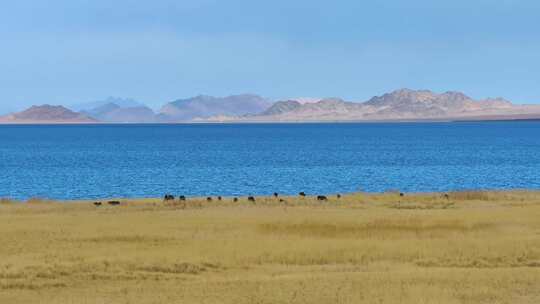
469 247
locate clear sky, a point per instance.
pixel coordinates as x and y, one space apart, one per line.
72 51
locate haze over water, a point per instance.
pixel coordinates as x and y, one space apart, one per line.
101 161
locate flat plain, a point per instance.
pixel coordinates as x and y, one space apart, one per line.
463 247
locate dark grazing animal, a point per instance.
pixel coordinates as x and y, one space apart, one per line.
235 199
302 194
276 194
339 196
219 198
113 203
322 198
97 203
168 197
251 199
401 194
209 199
182 198
446 196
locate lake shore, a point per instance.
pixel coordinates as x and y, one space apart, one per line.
460 247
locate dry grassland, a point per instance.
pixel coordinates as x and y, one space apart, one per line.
469 247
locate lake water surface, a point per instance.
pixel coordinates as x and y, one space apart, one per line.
100 161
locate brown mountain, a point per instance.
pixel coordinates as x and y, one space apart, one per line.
404 104
425 103
46 114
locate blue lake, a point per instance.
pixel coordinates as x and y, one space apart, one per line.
101 161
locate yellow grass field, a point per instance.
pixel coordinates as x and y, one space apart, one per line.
472 247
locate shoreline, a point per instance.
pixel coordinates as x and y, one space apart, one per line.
498 118
285 198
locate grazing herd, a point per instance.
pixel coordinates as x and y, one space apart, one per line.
169 197
111 203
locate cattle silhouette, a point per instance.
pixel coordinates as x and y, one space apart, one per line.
182 198
113 203
302 194
168 197
251 199
97 204
322 198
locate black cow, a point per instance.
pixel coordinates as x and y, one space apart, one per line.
401 194
182 198
219 198
322 198
113 203
446 196
276 194
168 197
251 199
338 196
97 204
302 194
235 199
209 199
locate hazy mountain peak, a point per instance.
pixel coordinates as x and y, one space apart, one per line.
201 97
112 112
120 102
204 106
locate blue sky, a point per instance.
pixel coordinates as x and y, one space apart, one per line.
72 51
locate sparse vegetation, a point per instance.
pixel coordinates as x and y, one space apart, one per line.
466 247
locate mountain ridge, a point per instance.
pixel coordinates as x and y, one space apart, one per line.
399 105
402 104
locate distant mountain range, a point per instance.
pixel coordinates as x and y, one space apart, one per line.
400 105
